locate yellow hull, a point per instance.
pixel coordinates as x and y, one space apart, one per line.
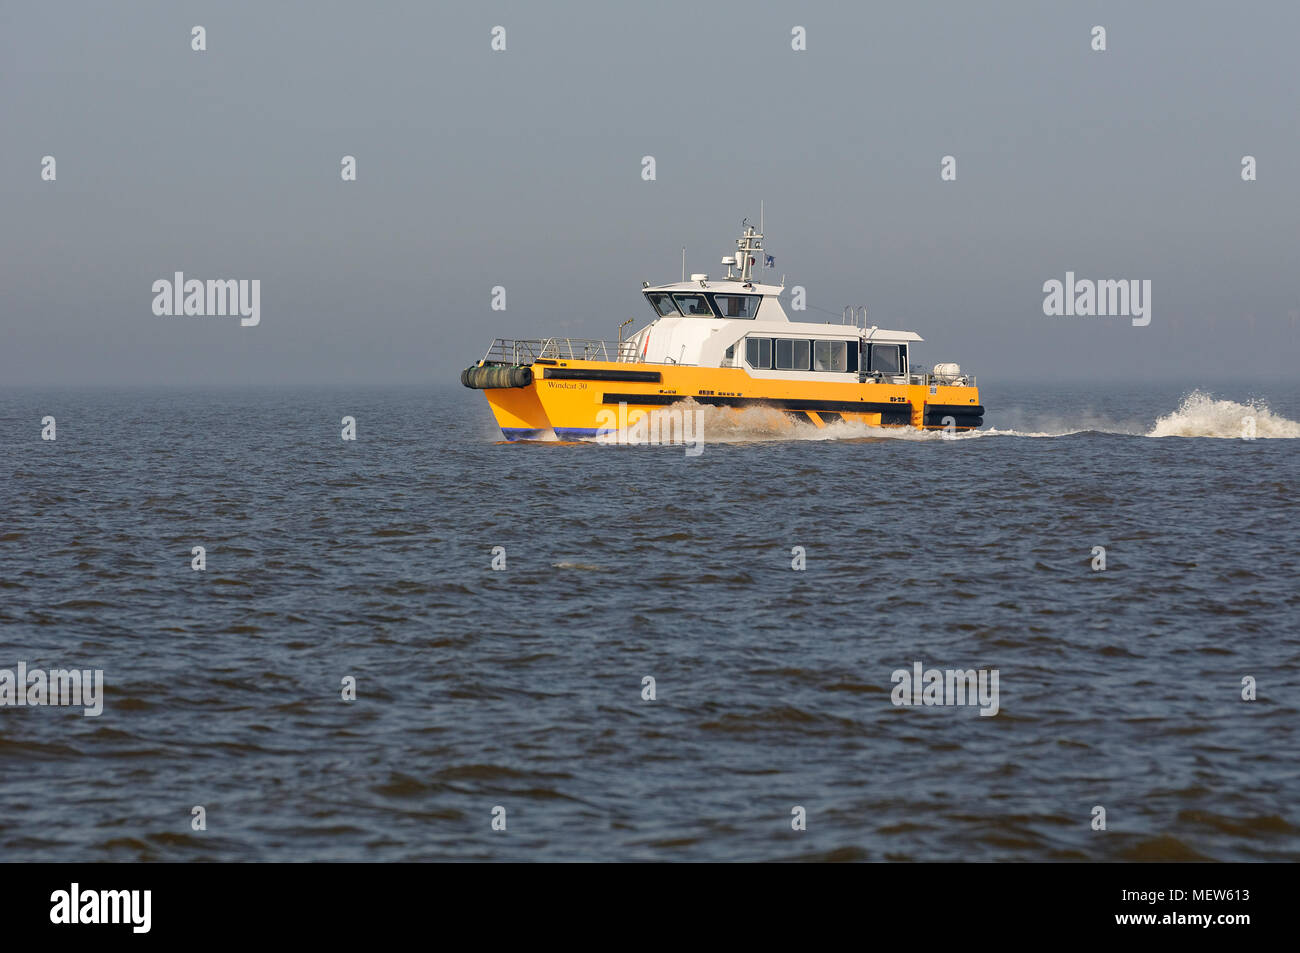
576 399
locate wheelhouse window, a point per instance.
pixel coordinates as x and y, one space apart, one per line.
693 305
662 302
758 353
886 359
791 355
830 355
737 306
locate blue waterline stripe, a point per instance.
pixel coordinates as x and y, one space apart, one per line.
578 432
564 433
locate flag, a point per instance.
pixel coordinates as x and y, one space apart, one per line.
769 261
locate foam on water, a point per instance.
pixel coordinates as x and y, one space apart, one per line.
1198 415
1201 415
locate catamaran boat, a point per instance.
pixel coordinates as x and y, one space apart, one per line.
724 342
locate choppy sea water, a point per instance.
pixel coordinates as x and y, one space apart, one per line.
522 688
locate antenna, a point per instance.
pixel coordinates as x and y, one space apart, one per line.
749 252
683 263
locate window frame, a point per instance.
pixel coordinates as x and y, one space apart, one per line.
663 294
807 354
830 360
714 295
694 294
898 359
758 347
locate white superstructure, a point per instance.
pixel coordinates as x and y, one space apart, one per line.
720 322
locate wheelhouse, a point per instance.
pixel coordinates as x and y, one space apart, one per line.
713 304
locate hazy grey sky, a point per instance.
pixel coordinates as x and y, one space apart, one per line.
523 169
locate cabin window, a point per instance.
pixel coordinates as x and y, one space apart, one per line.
737 306
791 355
885 359
758 353
830 355
693 305
784 354
662 303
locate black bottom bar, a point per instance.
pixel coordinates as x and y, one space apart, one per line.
942 903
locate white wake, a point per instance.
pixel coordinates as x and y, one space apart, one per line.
1198 415
1201 415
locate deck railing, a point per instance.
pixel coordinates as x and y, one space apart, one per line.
528 350
917 377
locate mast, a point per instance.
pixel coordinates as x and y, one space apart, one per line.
749 251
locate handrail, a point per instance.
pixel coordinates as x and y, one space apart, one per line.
531 350
920 378
855 315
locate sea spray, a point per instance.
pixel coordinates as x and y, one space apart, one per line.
1202 415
